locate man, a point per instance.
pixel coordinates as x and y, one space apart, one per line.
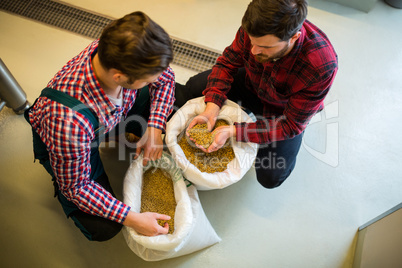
280 66
116 76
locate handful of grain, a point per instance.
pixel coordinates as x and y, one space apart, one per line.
158 195
206 162
201 136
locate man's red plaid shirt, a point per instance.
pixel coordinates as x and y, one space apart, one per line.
292 89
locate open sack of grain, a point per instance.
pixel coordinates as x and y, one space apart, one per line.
192 229
244 153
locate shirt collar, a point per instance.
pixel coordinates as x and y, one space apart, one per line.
100 101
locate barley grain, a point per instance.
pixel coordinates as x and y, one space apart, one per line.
158 195
206 162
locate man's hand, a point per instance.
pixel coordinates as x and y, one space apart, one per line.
147 223
207 117
152 144
220 134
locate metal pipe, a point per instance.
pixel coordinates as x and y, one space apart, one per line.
11 92
2 104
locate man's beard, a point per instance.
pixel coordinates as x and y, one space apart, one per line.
262 58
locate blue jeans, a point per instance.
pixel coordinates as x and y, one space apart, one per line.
275 161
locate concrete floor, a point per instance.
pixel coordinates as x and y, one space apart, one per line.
347 171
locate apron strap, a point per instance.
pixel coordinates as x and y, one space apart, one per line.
40 150
74 104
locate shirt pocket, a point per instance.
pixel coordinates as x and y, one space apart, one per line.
254 74
273 92
253 65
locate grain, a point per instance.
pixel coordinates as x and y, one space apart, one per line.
201 136
158 195
130 137
206 162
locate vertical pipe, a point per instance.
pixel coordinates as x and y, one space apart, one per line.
11 92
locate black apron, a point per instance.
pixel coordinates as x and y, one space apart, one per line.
140 106
40 150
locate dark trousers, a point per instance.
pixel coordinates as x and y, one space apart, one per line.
94 228
275 161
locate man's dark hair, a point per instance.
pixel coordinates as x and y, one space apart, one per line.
282 18
136 46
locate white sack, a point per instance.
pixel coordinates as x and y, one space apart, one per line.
192 232
245 153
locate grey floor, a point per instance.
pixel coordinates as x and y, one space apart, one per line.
347 171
